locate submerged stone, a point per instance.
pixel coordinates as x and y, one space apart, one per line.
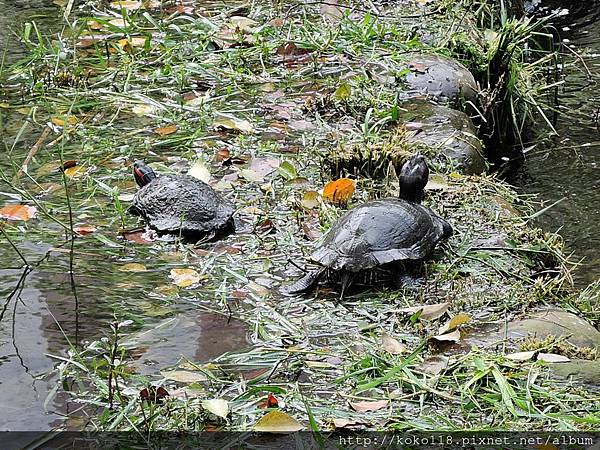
558 323
441 79
446 130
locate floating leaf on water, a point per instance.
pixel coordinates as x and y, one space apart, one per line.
277 422
132 267
520 356
455 322
311 200
448 337
339 192
369 406
217 406
200 171
18 212
552 358
184 277
428 312
165 131
84 229
391 345
184 376
233 123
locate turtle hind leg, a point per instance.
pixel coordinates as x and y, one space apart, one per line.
304 284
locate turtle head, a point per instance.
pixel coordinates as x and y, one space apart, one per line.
413 178
142 173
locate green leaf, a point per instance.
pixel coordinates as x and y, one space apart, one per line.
287 170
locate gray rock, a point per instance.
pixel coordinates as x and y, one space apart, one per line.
579 370
440 78
448 130
557 323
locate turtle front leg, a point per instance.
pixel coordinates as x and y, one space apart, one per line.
304 284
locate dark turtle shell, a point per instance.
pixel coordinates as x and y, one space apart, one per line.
173 204
380 232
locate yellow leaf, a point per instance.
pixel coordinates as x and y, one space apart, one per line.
217 406
310 199
184 277
277 422
132 267
17 212
455 322
60 122
165 131
232 123
339 191
75 171
200 171
4 105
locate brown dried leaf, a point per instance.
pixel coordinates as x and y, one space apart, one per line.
448 337
369 406
18 212
391 345
165 131
428 312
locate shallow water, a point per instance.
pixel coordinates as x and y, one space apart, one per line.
570 167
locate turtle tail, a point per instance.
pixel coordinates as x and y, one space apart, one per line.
304 284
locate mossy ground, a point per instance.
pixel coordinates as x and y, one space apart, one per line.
242 96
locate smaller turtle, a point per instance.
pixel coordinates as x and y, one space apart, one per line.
179 204
378 233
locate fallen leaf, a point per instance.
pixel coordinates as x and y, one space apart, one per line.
241 23
311 200
129 5
520 356
265 227
455 322
251 175
200 171
232 123
287 170
369 406
217 406
301 125
270 402
139 237
391 345
428 312
331 12
433 365
339 191
132 267
60 122
18 212
165 131
75 171
84 229
264 165
184 376
143 110
184 277
552 358
291 49
343 92
448 337
119 23
277 422
154 394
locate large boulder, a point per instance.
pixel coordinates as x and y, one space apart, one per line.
441 79
557 323
446 130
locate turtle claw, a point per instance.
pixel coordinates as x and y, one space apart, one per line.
304 284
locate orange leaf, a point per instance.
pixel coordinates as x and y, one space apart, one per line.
339 191
165 131
84 229
17 212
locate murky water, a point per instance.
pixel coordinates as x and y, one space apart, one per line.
570 168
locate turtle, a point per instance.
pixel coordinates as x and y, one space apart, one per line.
179 204
379 232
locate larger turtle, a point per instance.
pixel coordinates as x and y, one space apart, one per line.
379 232
179 204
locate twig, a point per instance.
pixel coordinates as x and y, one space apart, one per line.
578 56
38 144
